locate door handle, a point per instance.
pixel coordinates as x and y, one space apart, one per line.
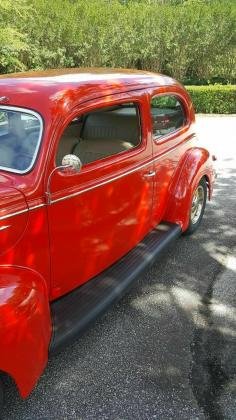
149 174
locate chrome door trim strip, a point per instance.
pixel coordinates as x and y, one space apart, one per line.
16 213
37 206
4 227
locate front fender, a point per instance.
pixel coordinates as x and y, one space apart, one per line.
196 164
25 326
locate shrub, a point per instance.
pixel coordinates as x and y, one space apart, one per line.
12 41
217 99
187 39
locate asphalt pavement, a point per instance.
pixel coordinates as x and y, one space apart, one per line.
167 350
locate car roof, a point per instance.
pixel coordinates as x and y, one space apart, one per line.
40 90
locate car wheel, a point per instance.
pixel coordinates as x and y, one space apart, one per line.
198 204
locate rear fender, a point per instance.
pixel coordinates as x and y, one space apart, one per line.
195 165
25 326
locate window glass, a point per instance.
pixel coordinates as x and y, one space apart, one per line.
20 134
101 133
167 115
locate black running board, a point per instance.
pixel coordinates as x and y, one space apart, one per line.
72 313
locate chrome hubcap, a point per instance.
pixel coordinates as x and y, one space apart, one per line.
197 204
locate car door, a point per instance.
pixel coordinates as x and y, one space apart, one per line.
99 214
171 137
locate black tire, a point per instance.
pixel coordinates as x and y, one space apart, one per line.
198 204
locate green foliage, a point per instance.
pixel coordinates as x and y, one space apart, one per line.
214 98
187 39
12 41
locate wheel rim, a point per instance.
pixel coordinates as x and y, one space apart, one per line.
197 204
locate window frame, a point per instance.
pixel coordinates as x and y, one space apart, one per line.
110 158
40 119
167 136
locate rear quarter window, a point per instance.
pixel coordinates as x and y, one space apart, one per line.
168 115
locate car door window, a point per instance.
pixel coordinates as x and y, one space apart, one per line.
168 115
101 133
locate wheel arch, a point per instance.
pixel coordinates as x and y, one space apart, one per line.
195 165
25 328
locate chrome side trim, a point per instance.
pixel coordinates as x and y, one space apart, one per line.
37 207
4 227
16 213
7 216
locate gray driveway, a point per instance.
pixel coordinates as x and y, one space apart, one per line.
167 350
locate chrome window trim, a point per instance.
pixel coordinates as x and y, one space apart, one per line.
38 116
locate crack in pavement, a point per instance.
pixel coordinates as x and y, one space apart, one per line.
209 376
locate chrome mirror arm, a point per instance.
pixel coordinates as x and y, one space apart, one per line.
69 161
48 193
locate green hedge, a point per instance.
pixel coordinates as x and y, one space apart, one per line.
216 99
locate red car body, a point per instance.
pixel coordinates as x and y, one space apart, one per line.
51 247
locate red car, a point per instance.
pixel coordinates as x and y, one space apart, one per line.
99 171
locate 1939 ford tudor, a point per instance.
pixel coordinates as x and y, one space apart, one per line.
99 171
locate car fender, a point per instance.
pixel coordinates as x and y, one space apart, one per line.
25 326
195 165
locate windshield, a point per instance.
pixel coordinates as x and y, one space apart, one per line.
20 134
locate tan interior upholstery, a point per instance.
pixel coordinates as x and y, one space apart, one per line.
113 125
107 133
90 150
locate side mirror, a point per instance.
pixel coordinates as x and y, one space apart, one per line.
72 162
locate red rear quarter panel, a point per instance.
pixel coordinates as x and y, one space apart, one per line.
195 164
